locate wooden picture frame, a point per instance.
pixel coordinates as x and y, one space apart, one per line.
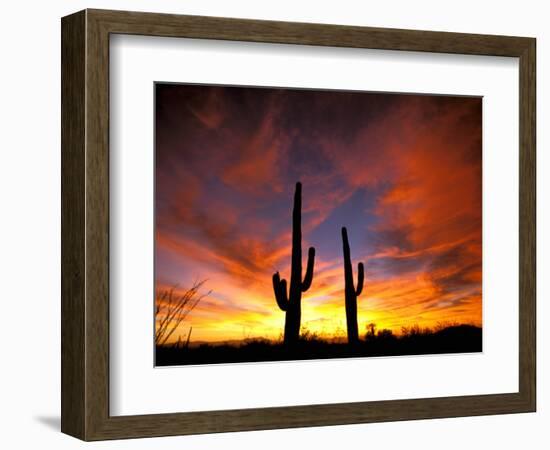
85 224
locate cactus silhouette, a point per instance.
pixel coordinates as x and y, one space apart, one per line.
291 302
351 292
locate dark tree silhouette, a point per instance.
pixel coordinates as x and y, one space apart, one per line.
291 302
350 291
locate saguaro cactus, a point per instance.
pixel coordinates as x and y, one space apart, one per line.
351 292
291 302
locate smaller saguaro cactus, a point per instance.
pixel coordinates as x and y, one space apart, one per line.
351 292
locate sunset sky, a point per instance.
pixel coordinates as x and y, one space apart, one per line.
401 172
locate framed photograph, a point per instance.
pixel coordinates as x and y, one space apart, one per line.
272 225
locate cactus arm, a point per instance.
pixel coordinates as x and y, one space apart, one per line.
360 278
279 288
309 271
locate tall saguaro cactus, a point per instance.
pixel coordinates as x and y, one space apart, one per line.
291 302
351 292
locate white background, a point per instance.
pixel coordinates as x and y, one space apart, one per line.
136 387
30 237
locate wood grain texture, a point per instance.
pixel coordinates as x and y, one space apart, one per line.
527 224
97 226
85 224
73 226
151 24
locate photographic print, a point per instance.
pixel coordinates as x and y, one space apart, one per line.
302 224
